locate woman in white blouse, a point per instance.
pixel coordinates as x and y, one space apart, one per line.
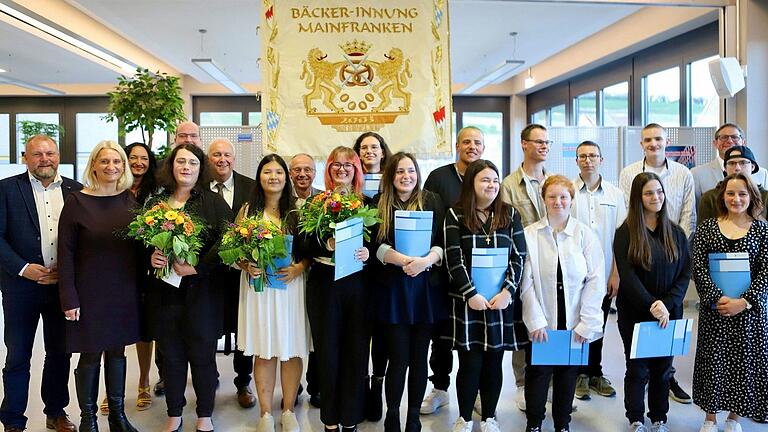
562 289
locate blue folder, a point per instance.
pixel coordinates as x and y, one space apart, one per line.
561 349
349 238
371 184
489 267
649 340
272 276
730 272
413 232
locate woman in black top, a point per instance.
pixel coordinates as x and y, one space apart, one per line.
406 299
187 321
337 310
483 328
654 265
143 167
374 154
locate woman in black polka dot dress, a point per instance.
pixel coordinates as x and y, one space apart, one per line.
731 368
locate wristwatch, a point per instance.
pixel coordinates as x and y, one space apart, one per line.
749 306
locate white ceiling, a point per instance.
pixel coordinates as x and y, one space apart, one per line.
168 29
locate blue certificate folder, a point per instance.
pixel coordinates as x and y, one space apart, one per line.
349 238
413 232
272 280
730 272
371 184
650 340
489 266
560 349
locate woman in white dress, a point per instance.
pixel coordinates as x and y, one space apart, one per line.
272 324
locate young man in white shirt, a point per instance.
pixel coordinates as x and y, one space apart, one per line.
601 206
680 195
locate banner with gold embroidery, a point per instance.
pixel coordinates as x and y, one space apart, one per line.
333 69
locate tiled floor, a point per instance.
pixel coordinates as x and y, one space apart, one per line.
598 415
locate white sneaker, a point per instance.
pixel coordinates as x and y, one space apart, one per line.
478 405
289 421
434 400
489 425
708 426
520 397
659 426
637 427
732 426
462 426
266 423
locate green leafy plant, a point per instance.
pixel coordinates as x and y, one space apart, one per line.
28 129
147 101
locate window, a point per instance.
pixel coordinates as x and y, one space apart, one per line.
661 101
540 117
557 115
50 118
703 101
254 118
221 119
90 129
159 138
491 123
585 107
615 105
5 138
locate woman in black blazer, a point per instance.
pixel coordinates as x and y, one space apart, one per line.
187 321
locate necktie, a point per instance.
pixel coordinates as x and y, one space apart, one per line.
220 189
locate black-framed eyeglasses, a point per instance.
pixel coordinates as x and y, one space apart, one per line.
725 138
348 166
592 157
541 142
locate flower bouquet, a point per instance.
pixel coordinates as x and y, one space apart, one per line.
257 240
171 231
321 214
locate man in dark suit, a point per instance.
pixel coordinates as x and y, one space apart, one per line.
30 204
235 188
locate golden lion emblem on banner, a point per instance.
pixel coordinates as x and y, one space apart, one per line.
356 93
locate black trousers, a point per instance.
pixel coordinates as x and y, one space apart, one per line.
537 379
479 371
186 347
407 346
379 355
594 367
23 306
655 372
340 333
243 366
441 357
313 381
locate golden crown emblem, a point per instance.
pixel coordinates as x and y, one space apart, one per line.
355 47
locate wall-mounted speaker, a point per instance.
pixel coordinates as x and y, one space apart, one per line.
727 76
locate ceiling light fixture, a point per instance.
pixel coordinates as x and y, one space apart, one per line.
119 64
529 81
500 73
2 70
31 86
211 68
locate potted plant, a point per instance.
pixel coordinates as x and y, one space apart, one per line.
147 101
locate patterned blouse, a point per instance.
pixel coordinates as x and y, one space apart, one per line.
489 330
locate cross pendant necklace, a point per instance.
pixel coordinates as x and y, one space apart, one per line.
487 235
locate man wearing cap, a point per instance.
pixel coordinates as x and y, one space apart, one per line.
737 159
707 176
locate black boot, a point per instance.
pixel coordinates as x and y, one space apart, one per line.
412 421
87 385
114 369
392 420
373 399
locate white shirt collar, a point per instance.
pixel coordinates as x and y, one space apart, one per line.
720 161
228 185
56 180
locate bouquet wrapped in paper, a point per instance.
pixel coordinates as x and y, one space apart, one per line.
174 232
320 214
254 239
